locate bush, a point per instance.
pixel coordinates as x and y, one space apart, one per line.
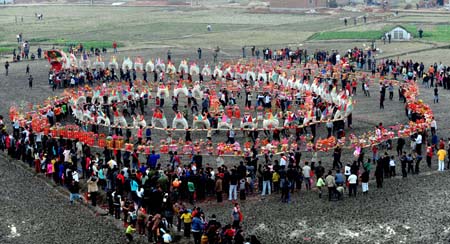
408 6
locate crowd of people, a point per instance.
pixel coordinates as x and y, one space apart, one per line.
158 197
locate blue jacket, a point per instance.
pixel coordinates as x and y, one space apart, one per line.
340 178
133 185
152 160
197 225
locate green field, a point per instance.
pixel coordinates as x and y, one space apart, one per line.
435 33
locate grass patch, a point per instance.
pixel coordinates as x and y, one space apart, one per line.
74 43
86 44
43 39
439 33
340 35
6 50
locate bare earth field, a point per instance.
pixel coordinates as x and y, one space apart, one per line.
412 210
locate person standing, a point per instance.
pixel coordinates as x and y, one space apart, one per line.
307 174
6 68
236 215
242 188
353 184
382 97
404 162
392 167
197 228
186 217
436 95
114 46
331 184
234 179
418 140
319 184
379 174
409 162
429 154
365 181
267 176
27 70
199 52
366 89
30 82
169 55
391 91
329 126
337 158
93 189
218 187
216 53
39 52
191 189
441 153
400 144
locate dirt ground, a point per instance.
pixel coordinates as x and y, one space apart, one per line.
411 210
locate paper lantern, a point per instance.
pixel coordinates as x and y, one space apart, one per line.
54 132
128 147
164 149
101 143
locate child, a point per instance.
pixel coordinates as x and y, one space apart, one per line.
392 167
340 191
320 183
276 181
129 232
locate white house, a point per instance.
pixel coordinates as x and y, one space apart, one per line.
399 33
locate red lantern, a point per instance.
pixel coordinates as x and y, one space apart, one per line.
101 143
147 150
164 149
128 147
71 134
54 132
63 132
90 141
237 112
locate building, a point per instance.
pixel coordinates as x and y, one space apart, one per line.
400 33
298 3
